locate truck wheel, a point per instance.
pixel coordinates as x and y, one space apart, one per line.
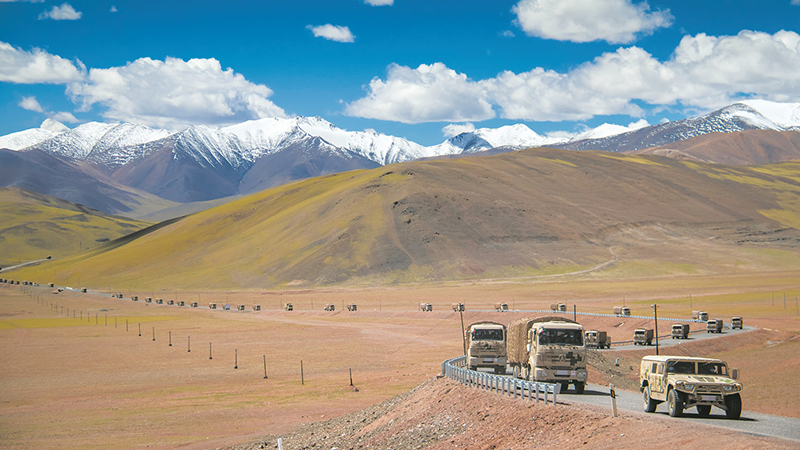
649 404
564 387
579 387
674 403
515 371
703 410
500 370
734 404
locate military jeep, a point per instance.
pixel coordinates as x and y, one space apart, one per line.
685 382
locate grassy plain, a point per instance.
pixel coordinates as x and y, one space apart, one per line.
79 383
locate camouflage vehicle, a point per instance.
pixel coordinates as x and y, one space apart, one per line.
548 349
425 307
680 331
597 339
622 311
288 307
352 307
330 307
714 326
643 336
502 307
736 322
685 382
700 315
486 346
458 307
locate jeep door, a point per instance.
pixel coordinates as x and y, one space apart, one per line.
657 381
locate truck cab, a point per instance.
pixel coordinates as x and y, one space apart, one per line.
597 339
486 346
714 326
643 336
680 331
689 382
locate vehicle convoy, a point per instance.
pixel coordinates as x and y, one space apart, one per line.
685 382
736 322
548 349
700 315
597 339
680 331
643 336
622 311
714 326
486 346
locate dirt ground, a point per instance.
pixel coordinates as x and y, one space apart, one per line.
74 376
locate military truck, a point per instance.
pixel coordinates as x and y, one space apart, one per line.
680 331
330 307
352 307
714 326
502 307
288 307
700 315
548 349
597 339
425 307
458 307
622 311
486 346
736 322
256 307
241 307
685 382
643 336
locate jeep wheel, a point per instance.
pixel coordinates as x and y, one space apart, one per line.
649 404
579 387
703 410
734 404
674 403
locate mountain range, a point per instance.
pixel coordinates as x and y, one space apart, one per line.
203 163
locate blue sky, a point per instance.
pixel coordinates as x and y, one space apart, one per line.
415 69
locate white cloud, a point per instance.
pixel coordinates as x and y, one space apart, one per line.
507 34
113 9
22 1
31 104
704 72
796 2
53 125
429 93
37 66
63 12
614 21
64 117
332 33
454 129
174 93
387 2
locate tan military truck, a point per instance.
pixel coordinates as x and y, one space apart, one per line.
680 331
700 315
643 336
501 307
352 307
597 339
486 346
458 307
549 349
622 311
736 322
330 307
425 307
685 382
714 326
288 307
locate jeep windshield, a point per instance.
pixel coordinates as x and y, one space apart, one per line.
555 336
703 368
487 335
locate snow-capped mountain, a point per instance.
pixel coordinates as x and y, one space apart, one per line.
513 137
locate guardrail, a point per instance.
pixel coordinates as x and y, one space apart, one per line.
513 387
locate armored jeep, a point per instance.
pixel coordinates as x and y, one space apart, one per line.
685 382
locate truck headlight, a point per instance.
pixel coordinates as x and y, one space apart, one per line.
734 387
680 384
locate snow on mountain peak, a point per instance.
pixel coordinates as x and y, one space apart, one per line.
783 115
53 125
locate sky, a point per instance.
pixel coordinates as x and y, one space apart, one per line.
422 70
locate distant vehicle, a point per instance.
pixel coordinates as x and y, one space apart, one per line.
170 302
643 336
680 331
256 307
597 339
135 298
622 311
160 301
502 307
458 307
194 304
689 382
700 315
51 285
549 349
486 346
212 306
352 307
49 257
425 307
288 307
227 307
241 307
714 326
330 307
83 290
736 322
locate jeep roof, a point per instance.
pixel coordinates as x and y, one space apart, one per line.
664 358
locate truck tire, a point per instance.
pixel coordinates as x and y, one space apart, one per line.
734 404
564 387
674 403
649 404
579 387
703 410
515 371
500 370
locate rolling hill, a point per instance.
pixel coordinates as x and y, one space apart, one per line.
529 213
33 226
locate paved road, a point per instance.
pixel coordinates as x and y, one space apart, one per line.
665 340
27 263
750 422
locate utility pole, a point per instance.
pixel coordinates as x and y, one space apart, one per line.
655 319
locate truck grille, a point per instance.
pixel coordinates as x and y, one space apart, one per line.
709 389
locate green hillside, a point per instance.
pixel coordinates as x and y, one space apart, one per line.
33 226
522 214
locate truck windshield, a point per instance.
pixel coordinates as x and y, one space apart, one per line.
551 336
487 335
681 367
711 368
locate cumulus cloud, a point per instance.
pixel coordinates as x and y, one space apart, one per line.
63 12
332 33
64 117
113 9
614 21
454 129
703 72
174 93
36 66
391 2
429 93
31 104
